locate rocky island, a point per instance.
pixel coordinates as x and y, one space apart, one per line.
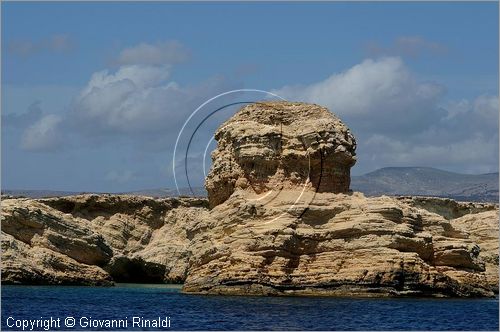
279 220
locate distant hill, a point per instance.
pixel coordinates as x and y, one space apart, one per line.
395 181
427 181
39 193
198 191
162 192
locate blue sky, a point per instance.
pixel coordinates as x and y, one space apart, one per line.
416 82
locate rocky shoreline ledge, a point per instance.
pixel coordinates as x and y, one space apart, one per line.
279 220
344 245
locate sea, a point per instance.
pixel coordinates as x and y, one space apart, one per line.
165 307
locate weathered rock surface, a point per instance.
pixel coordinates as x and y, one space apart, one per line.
278 145
283 221
341 245
278 225
324 244
35 265
447 208
95 239
483 229
41 246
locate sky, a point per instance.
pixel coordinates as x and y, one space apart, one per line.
94 95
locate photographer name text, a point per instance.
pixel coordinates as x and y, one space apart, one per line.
53 323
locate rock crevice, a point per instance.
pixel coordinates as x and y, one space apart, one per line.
279 220
277 145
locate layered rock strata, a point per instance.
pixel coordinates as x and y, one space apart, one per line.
97 239
280 220
278 145
343 245
284 223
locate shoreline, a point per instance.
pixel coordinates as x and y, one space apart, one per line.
83 233
178 290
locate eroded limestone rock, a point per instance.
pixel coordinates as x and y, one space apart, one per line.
345 245
271 234
282 222
281 145
95 239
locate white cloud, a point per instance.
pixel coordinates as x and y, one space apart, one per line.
21 120
135 104
399 121
487 107
121 101
465 139
475 154
141 76
383 85
383 93
456 108
160 53
136 99
412 46
484 106
43 135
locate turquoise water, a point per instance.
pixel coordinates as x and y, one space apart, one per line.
192 312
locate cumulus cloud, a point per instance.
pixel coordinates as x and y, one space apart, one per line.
475 154
58 43
160 53
136 99
487 107
32 114
412 46
463 119
43 135
121 101
137 103
382 92
400 121
465 139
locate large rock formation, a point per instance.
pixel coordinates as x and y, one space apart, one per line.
342 245
276 226
283 221
97 239
279 145
49 248
483 229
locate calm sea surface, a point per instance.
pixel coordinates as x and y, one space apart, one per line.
191 312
